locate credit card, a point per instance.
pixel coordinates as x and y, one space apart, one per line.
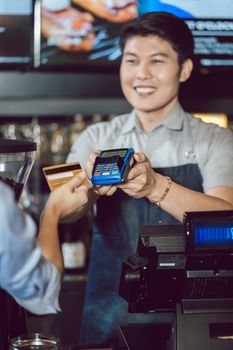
57 175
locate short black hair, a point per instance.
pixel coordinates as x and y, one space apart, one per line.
164 25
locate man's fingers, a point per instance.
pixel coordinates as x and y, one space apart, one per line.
111 191
140 157
137 170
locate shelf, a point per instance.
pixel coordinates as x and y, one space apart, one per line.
62 93
61 106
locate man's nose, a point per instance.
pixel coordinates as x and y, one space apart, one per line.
143 71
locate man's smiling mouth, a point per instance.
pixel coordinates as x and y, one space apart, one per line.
144 89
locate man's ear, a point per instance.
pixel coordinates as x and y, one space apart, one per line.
186 70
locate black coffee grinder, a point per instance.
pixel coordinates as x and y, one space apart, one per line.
16 161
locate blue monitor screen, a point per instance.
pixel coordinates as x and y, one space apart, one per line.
213 235
209 231
65 24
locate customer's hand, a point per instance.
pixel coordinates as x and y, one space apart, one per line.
70 199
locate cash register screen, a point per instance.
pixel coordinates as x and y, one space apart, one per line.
209 231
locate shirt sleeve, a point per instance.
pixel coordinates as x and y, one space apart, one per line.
31 280
217 165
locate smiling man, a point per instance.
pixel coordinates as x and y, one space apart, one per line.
182 164
150 78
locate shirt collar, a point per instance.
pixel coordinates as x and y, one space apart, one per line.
130 123
174 120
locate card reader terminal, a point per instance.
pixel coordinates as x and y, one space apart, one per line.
112 166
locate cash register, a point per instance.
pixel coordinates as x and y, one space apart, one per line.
186 269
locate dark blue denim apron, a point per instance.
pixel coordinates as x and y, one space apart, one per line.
115 235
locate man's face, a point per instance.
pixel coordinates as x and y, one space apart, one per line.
149 73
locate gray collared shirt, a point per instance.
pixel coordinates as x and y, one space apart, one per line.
180 139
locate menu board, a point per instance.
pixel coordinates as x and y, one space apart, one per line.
16 33
85 33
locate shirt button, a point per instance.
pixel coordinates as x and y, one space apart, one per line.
160 222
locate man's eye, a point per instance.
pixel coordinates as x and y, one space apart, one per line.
158 60
130 60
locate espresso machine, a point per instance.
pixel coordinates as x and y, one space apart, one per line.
16 160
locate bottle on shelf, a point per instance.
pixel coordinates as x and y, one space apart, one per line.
75 243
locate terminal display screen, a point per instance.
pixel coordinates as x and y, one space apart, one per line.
118 152
209 231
